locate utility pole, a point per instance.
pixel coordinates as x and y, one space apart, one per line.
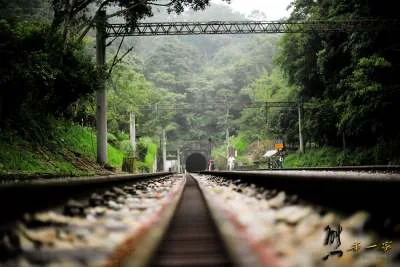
227 141
227 147
301 144
344 143
292 105
155 164
101 97
164 150
178 160
132 130
227 131
210 147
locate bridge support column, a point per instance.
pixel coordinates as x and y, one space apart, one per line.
101 96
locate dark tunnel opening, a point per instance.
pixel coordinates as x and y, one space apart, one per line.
196 162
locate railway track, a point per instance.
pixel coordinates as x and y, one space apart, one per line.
192 239
347 189
282 216
100 221
18 197
108 221
239 218
370 168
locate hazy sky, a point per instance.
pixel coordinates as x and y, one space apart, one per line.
273 9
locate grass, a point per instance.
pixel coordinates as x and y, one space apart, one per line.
77 138
83 140
70 150
24 158
115 156
329 157
251 154
322 157
218 154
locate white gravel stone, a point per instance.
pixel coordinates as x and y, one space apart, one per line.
293 214
295 232
101 228
277 201
356 221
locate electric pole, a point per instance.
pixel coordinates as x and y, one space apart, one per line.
292 105
101 96
132 130
178 160
155 163
301 144
164 150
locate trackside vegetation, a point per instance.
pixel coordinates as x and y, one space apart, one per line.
48 80
195 88
67 150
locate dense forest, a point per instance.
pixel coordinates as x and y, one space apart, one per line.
346 80
351 77
200 87
214 78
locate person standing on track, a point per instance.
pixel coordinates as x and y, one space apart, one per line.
231 162
210 165
281 153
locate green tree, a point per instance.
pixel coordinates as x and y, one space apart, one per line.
351 77
275 122
32 73
75 18
128 91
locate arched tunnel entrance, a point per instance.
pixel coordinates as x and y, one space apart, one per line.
196 162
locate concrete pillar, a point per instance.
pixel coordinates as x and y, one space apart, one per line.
178 160
300 111
155 164
164 150
132 130
101 96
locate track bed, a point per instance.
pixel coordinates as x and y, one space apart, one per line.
192 239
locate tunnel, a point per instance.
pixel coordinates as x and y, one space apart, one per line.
196 162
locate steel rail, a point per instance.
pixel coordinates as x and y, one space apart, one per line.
28 196
346 189
192 238
250 27
324 175
370 168
74 181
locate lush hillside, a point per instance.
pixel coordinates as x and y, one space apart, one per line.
194 87
69 150
213 74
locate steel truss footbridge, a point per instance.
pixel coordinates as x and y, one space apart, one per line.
105 30
248 27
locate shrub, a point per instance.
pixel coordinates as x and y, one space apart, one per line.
39 66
